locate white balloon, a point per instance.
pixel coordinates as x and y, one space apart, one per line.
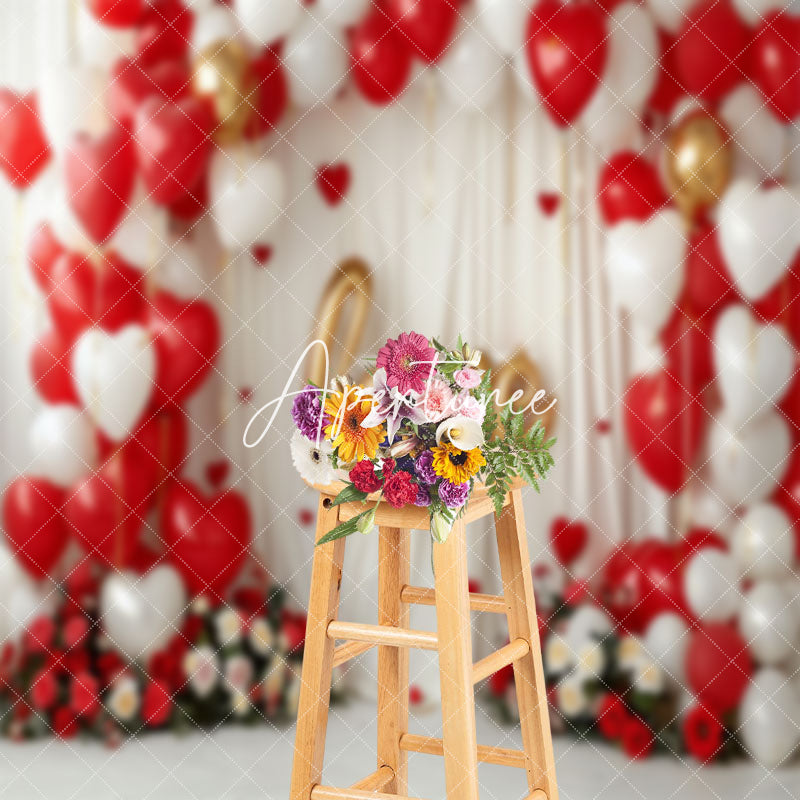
759 231
316 60
114 374
102 45
708 510
505 23
754 363
769 717
645 267
747 462
751 11
181 273
341 13
212 25
670 14
760 140
587 623
247 197
711 585
141 614
142 236
21 599
65 224
768 623
266 21
471 70
763 543
63 444
666 640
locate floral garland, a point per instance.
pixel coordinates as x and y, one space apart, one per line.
422 434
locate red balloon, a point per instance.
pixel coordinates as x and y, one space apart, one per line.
708 284
718 666
568 539
689 347
664 424
164 31
698 539
207 536
629 188
132 83
566 46
189 206
775 63
426 25
117 13
50 369
24 151
163 440
100 173
782 303
173 146
709 48
186 337
381 59
270 96
43 250
668 89
33 523
787 495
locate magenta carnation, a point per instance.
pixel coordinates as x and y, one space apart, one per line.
407 361
454 495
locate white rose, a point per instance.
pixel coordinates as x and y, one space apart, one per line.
238 673
228 626
570 696
123 699
261 637
201 670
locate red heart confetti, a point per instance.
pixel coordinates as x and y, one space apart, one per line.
602 426
333 181
261 253
549 202
305 516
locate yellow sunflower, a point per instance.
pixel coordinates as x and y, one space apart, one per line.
457 466
346 411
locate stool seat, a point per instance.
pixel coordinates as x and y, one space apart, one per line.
452 640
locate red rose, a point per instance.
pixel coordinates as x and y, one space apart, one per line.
364 478
83 695
250 600
167 664
156 704
703 734
75 630
293 627
64 723
76 661
109 665
611 716
575 593
80 584
637 738
44 690
40 634
399 490
501 680
193 627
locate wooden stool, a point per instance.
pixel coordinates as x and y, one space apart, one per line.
453 641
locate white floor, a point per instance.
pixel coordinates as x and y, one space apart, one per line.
241 763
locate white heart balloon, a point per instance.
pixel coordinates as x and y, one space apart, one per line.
266 21
666 640
670 14
751 11
21 599
247 197
645 262
141 614
747 462
102 45
143 235
63 444
341 13
763 543
213 24
759 231
769 623
181 273
711 585
504 22
754 363
114 375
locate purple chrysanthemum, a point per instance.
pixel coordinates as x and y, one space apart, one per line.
408 362
423 498
307 410
423 466
454 495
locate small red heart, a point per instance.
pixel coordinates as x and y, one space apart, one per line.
245 394
261 253
333 181
603 426
24 150
415 695
567 538
549 202
305 517
217 472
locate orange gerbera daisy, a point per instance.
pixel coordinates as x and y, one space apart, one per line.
347 410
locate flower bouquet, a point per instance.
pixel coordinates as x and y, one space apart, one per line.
422 434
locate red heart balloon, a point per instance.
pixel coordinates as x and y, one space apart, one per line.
43 250
133 82
629 188
567 539
782 303
217 472
709 48
668 89
708 283
33 523
775 63
189 206
50 369
427 25
100 173
333 181
689 347
381 58
117 13
718 666
270 96
186 337
173 146
207 537
24 151
164 31
566 46
106 510
163 440
664 425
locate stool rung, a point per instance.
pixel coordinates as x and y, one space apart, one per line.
382 634
417 595
506 655
345 652
537 794
332 793
414 743
376 781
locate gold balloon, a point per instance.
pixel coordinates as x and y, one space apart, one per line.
221 74
521 374
698 162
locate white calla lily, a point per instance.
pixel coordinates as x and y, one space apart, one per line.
462 432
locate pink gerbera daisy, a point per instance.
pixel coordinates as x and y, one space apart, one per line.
407 361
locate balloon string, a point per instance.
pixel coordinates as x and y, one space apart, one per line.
118 510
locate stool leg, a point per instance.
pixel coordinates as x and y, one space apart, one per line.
528 672
455 666
393 574
315 685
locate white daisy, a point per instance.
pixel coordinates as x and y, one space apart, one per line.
591 660
261 637
571 698
649 678
228 626
201 670
312 462
123 698
558 656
